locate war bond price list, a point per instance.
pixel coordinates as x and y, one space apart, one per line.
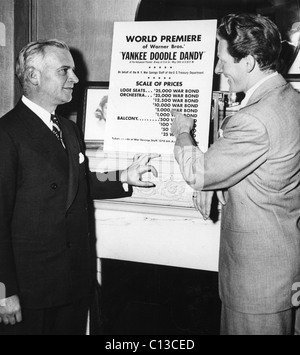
185 101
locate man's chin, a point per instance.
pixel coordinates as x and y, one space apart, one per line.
67 99
234 88
231 86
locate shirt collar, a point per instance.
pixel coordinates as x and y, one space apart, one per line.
43 114
251 91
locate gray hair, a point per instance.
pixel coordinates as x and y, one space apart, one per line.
32 55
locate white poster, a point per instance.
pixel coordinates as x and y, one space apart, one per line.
157 67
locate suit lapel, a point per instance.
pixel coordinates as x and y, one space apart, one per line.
65 161
43 140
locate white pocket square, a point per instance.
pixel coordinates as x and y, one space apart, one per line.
81 158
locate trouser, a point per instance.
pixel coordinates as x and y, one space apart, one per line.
66 320
283 323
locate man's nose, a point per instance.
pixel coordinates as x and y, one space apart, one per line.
73 77
219 68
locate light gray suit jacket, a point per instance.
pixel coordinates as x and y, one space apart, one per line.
258 161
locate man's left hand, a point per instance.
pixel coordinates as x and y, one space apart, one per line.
133 175
203 201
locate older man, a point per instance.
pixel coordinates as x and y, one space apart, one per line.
257 159
45 247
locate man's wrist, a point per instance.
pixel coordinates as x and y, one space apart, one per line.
184 132
123 179
123 176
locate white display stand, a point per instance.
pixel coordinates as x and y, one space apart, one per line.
155 226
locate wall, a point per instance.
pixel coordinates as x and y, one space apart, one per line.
22 34
7 57
15 16
87 26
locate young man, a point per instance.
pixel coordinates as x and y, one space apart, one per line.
46 254
257 160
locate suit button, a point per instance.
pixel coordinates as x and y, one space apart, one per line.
54 186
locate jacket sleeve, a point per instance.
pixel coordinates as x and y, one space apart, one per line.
8 187
242 149
107 186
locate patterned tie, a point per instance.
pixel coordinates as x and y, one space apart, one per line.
56 129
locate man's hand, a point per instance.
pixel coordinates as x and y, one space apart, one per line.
10 311
133 175
181 124
203 200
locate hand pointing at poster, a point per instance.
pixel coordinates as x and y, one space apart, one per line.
133 175
181 124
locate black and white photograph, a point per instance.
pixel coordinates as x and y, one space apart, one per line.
95 112
150 170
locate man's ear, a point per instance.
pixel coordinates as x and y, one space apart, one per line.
251 63
33 75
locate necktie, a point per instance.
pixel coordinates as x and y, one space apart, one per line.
56 129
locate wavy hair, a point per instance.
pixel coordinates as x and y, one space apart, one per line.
253 35
32 55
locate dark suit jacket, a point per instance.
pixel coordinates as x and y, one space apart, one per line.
45 248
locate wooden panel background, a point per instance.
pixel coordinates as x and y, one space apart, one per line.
7 58
87 26
22 36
